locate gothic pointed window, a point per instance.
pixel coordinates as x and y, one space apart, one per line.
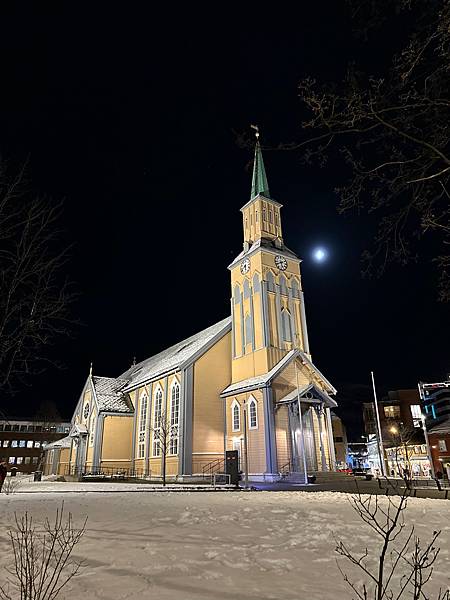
174 417
252 414
270 281
246 288
248 329
142 425
256 216
283 285
270 216
237 294
256 284
236 416
264 213
157 421
286 325
295 288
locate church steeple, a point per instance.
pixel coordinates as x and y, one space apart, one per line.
259 179
261 214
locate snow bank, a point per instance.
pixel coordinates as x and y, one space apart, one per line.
220 546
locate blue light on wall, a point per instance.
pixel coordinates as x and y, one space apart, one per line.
433 411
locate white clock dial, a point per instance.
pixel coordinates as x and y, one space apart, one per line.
281 262
245 266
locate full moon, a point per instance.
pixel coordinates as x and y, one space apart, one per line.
320 254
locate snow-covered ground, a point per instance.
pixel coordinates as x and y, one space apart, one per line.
218 546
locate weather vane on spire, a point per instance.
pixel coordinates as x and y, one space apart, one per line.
256 128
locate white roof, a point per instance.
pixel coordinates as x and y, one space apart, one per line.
109 396
175 357
64 442
264 380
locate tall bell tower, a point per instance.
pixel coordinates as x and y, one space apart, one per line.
267 305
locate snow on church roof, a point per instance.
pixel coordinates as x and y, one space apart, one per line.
109 395
176 356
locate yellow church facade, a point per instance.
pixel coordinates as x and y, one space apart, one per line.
247 383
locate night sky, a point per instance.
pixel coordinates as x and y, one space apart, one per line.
130 116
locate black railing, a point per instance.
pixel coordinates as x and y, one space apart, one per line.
215 466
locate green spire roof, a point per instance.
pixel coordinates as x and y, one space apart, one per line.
259 180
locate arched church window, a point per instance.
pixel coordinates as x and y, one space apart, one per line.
246 288
295 289
142 425
256 216
236 415
237 294
270 216
286 325
251 219
174 417
264 213
283 285
276 218
157 419
256 284
270 281
246 223
252 414
248 329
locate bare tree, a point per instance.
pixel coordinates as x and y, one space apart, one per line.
43 562
34 297
393 131
402 566
165 436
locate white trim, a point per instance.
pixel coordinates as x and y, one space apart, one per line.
175 384
233 405
252 400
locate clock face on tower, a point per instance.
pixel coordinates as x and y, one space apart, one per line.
245 266
281 262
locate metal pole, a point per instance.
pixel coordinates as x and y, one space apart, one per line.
302 439
379 436
425 433
245 446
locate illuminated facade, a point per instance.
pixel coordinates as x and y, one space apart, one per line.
247 383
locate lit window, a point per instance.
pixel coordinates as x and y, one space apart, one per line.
22 444
19 460
252 414
142 428
442 446
27 460
157 415
236 414
416 414
14 444
5 443
37 444
392 412
29 443
174 418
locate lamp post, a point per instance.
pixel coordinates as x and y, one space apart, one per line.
245 446
380 439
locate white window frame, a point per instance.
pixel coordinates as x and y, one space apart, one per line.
442 444
235 404
252 401
142 429
157 407
174 419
